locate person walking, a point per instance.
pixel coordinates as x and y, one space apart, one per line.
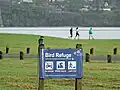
71 32
77 33
91 33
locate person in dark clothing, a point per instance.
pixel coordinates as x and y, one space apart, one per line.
77 33
71 32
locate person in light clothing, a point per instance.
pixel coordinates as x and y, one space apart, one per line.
91 33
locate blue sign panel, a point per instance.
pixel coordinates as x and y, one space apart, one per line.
61 63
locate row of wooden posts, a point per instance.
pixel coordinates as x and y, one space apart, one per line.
109 57
87 55
114 51
91 50
21 53
87 58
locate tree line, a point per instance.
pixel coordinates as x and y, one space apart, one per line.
29 15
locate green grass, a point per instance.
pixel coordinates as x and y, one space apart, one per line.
21 42
19 75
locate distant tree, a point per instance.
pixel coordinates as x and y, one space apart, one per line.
74 5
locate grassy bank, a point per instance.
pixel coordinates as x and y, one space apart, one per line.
21 42
19 75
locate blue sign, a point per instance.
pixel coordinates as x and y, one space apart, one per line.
61 63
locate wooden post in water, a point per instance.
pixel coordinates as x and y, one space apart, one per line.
78 81
40 46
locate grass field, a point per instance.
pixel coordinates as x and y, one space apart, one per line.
21 42
18 75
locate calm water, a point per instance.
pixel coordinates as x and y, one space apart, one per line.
63 32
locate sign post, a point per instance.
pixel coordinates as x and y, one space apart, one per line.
40 47
61 63
78 81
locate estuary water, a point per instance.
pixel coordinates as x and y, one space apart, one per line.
63 32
